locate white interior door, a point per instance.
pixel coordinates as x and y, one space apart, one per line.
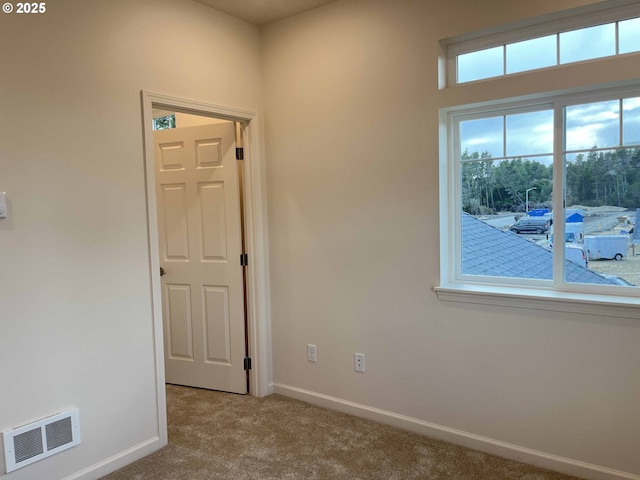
199 226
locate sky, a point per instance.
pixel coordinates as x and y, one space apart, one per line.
528 134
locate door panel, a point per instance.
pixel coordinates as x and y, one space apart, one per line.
217 324
175 234
214 232
200 246
171 156
178 301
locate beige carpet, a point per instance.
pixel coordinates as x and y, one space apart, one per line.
215 435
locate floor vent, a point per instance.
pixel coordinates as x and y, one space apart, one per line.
35 441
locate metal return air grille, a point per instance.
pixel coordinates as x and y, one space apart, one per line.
59 433
28 445
41 439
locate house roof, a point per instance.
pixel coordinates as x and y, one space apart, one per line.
489 251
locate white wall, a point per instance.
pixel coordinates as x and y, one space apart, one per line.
75 305
352 145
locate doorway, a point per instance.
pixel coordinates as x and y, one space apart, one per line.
253 195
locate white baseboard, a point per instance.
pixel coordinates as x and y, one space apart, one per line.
118 461
458 437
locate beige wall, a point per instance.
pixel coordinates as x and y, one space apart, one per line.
351 93
352 148
186 120
75 308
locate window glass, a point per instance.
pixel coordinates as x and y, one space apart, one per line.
588 43
631 121
529 133
506 197
484 136
629 35
531 54
602 192
500 235
162 123
601 208
592 125
481 64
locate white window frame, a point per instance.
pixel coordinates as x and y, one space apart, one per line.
484 289
529 29
454 168
556 295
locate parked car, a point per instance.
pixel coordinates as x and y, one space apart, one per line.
530 225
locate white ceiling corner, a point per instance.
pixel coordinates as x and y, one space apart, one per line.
260 12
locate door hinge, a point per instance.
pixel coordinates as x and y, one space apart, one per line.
244 259
247 363
240 153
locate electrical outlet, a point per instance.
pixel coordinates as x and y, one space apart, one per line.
359 362
312 353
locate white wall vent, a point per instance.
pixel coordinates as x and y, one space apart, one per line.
35 441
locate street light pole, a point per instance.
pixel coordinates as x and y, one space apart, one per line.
526 205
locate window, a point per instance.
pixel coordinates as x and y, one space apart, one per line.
541 193
164 122
548 45
505 165
504 187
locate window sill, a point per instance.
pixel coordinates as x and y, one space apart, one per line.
587 304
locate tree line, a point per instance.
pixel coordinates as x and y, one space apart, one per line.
610 177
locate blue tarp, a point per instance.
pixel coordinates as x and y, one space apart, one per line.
538 212
575 218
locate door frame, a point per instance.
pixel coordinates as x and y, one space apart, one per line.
255 208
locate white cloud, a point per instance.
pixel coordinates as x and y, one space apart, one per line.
630 104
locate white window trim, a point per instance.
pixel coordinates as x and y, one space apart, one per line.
590 15
553 295
556 301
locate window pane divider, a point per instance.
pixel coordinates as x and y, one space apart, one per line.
513 157
621 124
603 149
559 125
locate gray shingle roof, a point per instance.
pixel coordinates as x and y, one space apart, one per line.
487 250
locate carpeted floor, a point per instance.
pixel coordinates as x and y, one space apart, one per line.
215 435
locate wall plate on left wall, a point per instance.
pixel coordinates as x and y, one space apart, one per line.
3 205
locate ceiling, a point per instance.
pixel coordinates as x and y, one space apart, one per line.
260 12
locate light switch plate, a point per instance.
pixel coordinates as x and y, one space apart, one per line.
3 205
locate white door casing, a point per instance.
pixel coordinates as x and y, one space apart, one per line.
199 234
256 236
